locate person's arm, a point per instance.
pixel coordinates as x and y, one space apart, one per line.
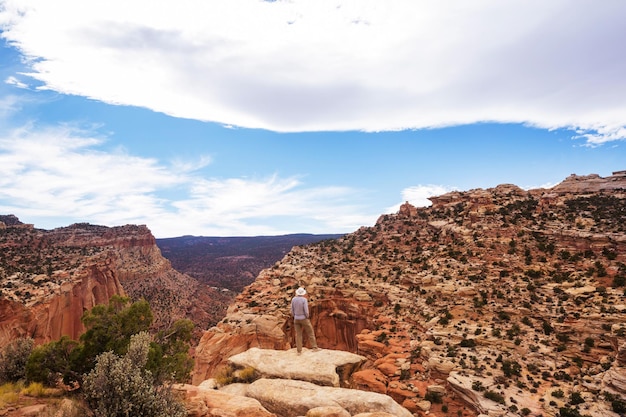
306 308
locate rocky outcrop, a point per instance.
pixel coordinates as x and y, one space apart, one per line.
582 184
462 386
51 277
521 290
204 402
46 316
295 398
323 367
336 318
288 384
236 334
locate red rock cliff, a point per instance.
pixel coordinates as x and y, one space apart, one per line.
51 277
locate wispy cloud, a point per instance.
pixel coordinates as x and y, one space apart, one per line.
50 175
15 82
330 65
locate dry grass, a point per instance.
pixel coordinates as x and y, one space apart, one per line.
10 393
34 389
229 375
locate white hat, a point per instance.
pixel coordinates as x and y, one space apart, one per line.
300 291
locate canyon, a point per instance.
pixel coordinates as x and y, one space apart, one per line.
499 301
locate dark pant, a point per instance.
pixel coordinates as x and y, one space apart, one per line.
308 329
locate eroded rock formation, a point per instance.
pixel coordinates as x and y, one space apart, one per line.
51 277
287 384
323 367
493 297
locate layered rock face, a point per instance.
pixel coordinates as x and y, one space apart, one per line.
490 301
51 277
286 384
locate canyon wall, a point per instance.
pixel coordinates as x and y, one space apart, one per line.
51 277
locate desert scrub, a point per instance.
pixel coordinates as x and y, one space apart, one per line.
120 386
246 375
37 389
13 358
494 396
229 375
224 376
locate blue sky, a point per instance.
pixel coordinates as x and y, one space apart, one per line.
250 117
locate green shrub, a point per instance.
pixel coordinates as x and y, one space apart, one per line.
53 361
468 343
494 396
557 393
121 386
110 328
568 412
13 359
576 398
433 397
478 386
619 406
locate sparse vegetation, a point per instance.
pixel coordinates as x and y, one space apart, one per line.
121 386
488 283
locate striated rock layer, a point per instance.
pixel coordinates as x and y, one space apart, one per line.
51 277
501 301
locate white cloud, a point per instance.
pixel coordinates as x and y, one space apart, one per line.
15 82
418 195
337 65
56 174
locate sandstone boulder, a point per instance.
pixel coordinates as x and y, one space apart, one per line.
462 386
322 367
614 380
440 365
296 398
207 402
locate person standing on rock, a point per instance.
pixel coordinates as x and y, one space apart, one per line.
300 313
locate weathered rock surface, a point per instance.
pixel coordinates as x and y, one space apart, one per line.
322 367
212 403
462 386
236 334
295 398
293 384
614 381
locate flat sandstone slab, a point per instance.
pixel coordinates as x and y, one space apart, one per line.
322 367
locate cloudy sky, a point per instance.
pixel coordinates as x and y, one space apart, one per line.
251 117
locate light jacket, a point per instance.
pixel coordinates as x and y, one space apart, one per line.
299 308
